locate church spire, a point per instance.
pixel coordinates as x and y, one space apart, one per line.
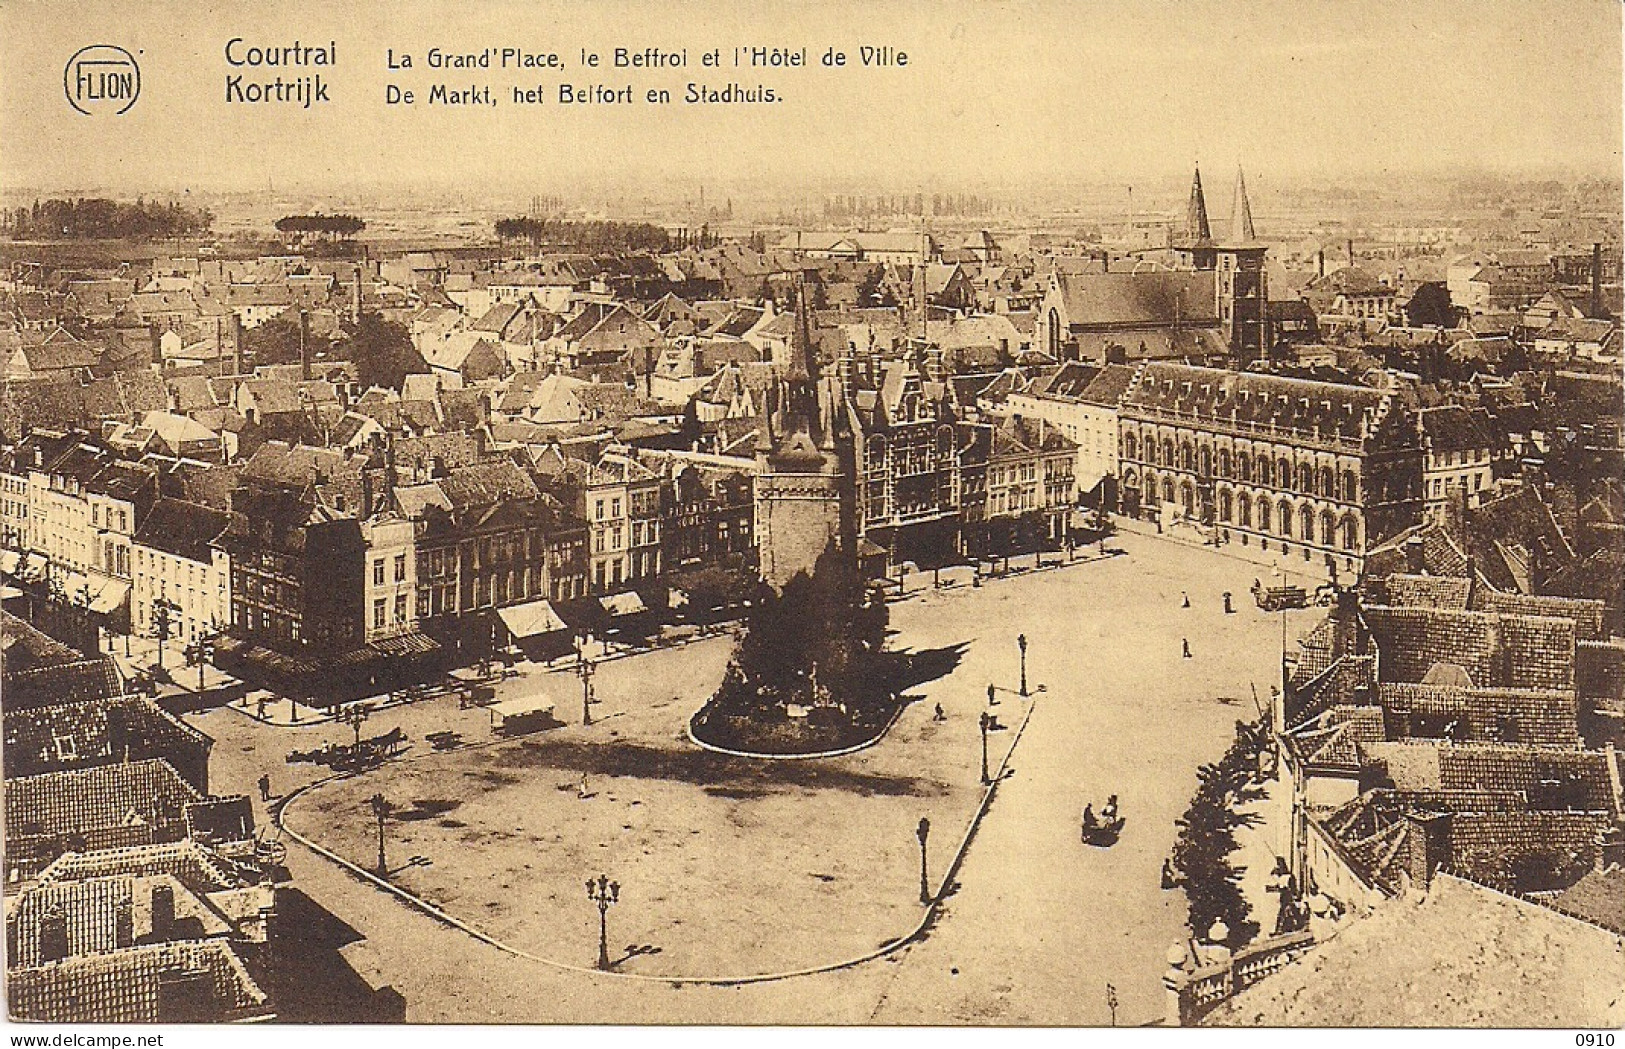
803 363
1197 230
1241 214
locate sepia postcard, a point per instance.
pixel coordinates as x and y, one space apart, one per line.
864 514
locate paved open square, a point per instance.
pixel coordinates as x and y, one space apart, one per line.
731 867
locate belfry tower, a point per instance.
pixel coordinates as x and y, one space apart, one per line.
1241 287
805 471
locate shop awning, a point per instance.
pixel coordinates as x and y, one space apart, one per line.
627 604
531 618
110 597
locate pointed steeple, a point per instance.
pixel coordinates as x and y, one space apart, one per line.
803 363
1197 230
1241 213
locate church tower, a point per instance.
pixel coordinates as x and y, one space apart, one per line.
1241 286
804 454
1195 242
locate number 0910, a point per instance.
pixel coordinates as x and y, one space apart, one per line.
1598 1041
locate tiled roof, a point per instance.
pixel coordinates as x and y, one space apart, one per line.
81 679
1426 591
481 484
1587 615
1599 898
1248 398
65 736
124 986
1493 650
1333 737
1546 778
141 793
184 529
194 865
1482 715
105 914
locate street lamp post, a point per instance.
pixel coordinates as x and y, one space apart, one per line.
923 831
380 810
986 722
585 670
354 718
1021 643
604 893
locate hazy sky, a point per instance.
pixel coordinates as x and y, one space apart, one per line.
994 93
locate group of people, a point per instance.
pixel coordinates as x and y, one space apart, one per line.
1108 814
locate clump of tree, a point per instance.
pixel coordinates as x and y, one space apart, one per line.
276 341
821 642
597 236
327 227
382 351
1207 837
96 218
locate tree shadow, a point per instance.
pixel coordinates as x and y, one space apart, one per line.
718 773
929 664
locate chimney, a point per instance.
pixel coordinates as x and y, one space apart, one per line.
1427 846
304 346
155 343
1351 250
355 303
1416 556
163 911
1322 265
53 934
1596 280
124 922
237 343
366 493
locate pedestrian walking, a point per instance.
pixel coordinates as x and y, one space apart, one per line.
1184 599
939 715
1227 609
1185 646
581 791
265 786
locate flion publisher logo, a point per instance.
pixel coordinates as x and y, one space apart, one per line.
102 78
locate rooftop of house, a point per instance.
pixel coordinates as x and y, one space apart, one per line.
124 986
1465 956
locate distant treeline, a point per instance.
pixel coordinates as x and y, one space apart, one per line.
585 236
323 225
96 218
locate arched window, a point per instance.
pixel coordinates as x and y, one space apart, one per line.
1130 446
1306 523
1263 515
1244 466
1167 489
1283 473
1351 487
1306 481
1284 513
1328 528
1264 471
1328 485
1168 451
1207 461
1224 462
1351 532
1187 497
1224 506
1244 510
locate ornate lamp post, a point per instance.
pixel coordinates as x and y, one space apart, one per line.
604 893
986 722
1021 643
381 809
585 670
354 717
923 831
